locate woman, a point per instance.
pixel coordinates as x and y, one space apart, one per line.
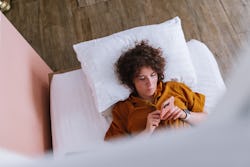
152 104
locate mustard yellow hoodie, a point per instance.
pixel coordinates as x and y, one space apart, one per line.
130 116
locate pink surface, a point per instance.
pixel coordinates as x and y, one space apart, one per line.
24 98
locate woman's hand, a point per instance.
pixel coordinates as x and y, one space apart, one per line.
153 121
172 113
175 113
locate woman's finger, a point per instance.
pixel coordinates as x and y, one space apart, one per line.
176 113
177 116
155 112
171 114
155 122
155 116
168 114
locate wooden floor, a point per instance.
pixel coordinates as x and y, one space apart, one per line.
53 26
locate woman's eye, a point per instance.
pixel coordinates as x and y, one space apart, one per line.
141 78
153 74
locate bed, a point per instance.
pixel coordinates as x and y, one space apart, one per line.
80 114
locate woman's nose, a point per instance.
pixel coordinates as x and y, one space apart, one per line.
149 82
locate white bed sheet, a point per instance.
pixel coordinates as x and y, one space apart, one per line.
76 126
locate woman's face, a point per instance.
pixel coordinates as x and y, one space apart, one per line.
146 82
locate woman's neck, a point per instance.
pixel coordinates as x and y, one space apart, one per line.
149 99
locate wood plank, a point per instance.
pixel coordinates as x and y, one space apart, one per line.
164 10
84 3
238 12
211 19
216 31
226 53
58 34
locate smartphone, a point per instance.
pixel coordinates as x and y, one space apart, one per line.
169 103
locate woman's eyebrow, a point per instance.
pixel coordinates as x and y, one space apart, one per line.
141 76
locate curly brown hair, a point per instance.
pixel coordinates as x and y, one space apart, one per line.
142 55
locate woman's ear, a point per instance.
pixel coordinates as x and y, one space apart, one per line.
132 87
160 77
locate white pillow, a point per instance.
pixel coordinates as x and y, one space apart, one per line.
209 80
98 56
